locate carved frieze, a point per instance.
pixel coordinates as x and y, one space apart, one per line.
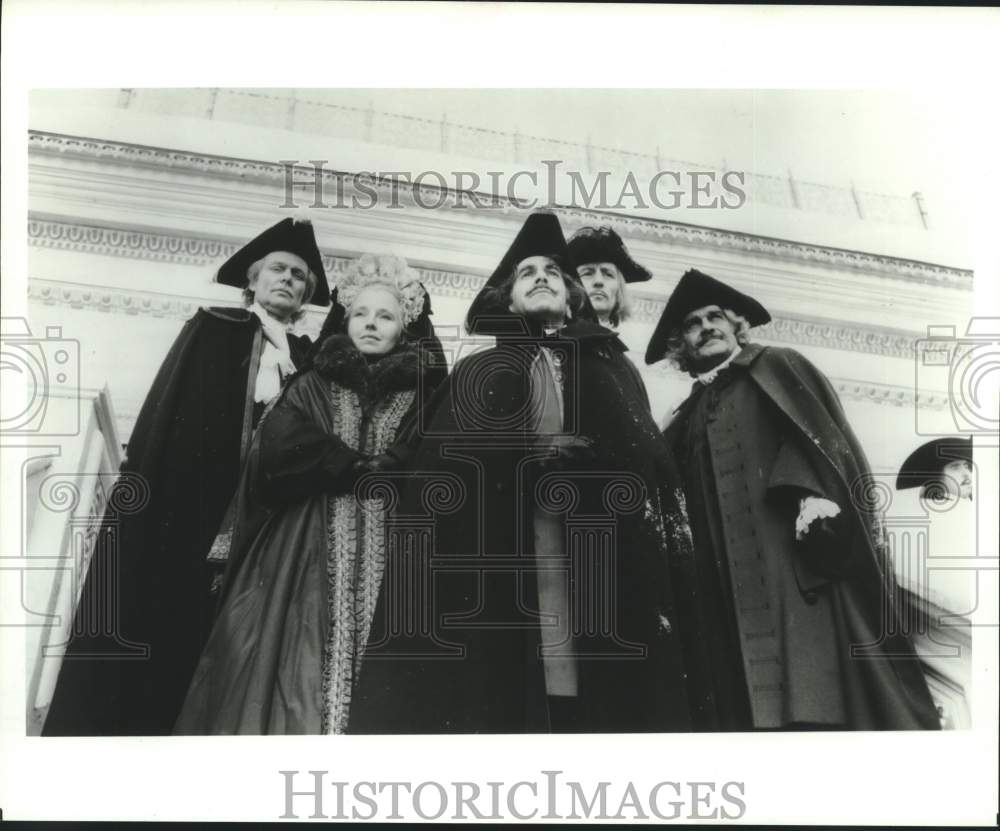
119 153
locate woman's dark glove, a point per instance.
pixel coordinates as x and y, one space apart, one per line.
382 462
375 464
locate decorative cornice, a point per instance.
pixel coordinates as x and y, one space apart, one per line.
677 233
892 395
113 300
798 331
673 233
806 331
197 251
889 394
809 331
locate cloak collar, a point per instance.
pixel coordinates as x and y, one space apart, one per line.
339 360
590 337
232 314
747 355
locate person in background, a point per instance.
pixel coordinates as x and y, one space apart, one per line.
941 468
941 576
605 268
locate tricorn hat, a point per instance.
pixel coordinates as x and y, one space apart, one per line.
293 235
541 235
603 245
924 464
422 331
694 291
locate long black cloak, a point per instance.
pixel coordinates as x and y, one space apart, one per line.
781 634
455 642
145 609
307 551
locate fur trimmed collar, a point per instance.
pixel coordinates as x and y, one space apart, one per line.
339 360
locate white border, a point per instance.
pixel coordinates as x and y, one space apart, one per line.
898 779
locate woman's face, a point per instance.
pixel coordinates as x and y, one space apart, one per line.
375 321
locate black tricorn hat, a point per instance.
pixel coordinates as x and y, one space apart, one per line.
293 235
541 235
603 245
924 465
694 291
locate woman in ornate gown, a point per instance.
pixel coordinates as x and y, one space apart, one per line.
308 545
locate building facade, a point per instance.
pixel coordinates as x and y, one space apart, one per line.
135 196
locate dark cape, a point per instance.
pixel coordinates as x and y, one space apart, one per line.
456 637
779 633
146 608
307 551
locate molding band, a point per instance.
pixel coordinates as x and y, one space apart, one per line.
112 152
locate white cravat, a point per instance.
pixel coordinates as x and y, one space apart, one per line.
276 360
706 378
558 663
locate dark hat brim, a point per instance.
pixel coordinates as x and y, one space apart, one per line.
603 245
296 237
695 291
924 465
540 236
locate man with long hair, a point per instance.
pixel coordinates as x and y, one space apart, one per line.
788 617
549 604
147 603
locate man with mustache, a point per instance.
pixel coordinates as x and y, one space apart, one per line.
788 615
550 607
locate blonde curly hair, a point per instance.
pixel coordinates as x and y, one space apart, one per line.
383 270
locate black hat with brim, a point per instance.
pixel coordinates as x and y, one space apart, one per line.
540 236
292 235
603 245
924 465
695 291
422 331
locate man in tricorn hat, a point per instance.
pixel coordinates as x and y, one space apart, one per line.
146 605
549 599
943 571
605 267
941 468
789 617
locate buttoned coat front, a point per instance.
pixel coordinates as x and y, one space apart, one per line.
815 625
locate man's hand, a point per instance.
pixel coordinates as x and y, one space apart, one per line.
571 452
812 508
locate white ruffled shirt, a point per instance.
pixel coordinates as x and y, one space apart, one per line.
276 360
707 378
